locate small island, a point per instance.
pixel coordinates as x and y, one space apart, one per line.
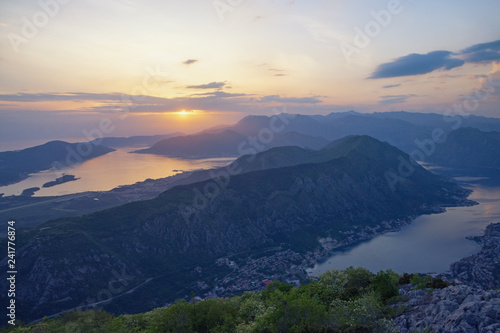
61 180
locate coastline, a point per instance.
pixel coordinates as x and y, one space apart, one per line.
249 274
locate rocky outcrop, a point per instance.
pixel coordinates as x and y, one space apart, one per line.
470 307
482 270
455 309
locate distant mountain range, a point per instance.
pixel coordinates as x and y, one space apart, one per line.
296 196
17 165
133 141
467 148
254 134
229 143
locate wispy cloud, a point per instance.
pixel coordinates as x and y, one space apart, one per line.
116 102
190 62
296 100
395 99
391 86
70 96
211 85
221 94
278 72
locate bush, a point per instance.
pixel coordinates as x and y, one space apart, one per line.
339 302
405 279
358 281
385 283
438 283
427 281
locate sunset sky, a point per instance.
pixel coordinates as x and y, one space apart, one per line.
66 65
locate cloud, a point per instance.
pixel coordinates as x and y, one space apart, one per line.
482 53
113 104
297 100
211 85
415 64
70 96
391 86
279 72
221 94
190 62
394 99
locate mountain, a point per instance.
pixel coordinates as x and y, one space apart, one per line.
290 156
228 143
222 144
17 165
482 269
352 300
441 121
400 129
468 148
424 302
118 142
169 244
334 126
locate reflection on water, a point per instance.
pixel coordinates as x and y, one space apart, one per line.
429 244
111 170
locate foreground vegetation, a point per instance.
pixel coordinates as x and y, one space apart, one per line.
353 300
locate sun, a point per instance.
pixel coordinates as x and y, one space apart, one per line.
183 113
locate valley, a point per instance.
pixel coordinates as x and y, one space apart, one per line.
341 196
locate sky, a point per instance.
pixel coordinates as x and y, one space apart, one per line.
73 69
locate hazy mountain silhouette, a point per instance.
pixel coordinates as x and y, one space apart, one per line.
132 141
400 129
467 148
17 165
228 143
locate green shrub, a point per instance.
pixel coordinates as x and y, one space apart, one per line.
385 283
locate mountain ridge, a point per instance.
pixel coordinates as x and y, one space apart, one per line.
288 206
226 143
399 128
17 165
468 147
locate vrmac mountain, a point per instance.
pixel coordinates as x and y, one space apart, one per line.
281 199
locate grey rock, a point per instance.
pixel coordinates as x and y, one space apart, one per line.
455 309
